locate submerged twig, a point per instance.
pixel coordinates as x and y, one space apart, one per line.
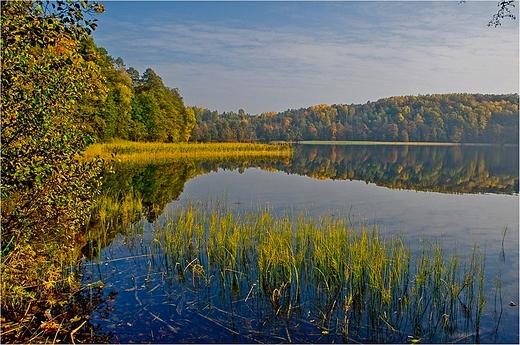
156 317
249 293
219 324
75 330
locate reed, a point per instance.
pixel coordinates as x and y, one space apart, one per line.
354 280
127 151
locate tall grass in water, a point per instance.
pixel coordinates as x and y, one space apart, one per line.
353 282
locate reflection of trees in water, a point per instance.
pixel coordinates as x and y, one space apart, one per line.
445 169
132 191
135 190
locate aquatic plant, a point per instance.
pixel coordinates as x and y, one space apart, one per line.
127 151
347 280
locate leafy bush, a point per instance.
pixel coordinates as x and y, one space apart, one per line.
46 192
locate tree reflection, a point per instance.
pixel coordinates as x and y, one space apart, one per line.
132 191
444 169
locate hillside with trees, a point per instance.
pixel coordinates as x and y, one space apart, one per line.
458 118
139 107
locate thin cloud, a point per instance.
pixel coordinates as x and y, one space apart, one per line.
343 53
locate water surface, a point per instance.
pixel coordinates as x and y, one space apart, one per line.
464 195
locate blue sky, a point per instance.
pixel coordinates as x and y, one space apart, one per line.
273 56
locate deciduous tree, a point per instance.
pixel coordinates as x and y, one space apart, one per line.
46 192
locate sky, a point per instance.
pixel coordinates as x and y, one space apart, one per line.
277 55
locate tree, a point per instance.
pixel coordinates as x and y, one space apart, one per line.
504 11
46 192
112 116
158 109
134 75
312 132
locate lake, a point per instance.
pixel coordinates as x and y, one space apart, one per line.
464 197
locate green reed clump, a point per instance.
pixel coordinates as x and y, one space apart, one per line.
178 239
367 281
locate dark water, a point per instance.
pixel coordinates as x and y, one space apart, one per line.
466 195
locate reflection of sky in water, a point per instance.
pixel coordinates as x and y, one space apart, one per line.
465 219
409 211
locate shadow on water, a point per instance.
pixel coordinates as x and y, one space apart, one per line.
203 273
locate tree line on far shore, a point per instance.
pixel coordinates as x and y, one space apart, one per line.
457 117
140 107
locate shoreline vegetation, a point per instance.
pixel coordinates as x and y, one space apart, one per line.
128 151
131 151
61 92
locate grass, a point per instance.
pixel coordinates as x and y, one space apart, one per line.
38 276
127 151
354 281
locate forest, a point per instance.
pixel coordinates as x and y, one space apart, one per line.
139 107
456 118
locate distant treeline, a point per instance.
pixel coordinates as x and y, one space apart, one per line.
140 107
458 117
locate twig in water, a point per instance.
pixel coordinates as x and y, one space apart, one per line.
250 290
219 324
137 298
75 330
125 258
288 335
173 329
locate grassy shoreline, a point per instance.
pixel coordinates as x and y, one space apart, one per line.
138 151
43 302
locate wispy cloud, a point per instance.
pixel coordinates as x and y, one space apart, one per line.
330 53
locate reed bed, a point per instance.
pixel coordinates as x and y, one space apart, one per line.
127 151
352 280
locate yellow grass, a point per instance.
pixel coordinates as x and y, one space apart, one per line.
127 151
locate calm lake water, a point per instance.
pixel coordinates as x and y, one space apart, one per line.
465 195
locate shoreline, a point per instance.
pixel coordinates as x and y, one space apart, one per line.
397 143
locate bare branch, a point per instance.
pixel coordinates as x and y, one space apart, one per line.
504 11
